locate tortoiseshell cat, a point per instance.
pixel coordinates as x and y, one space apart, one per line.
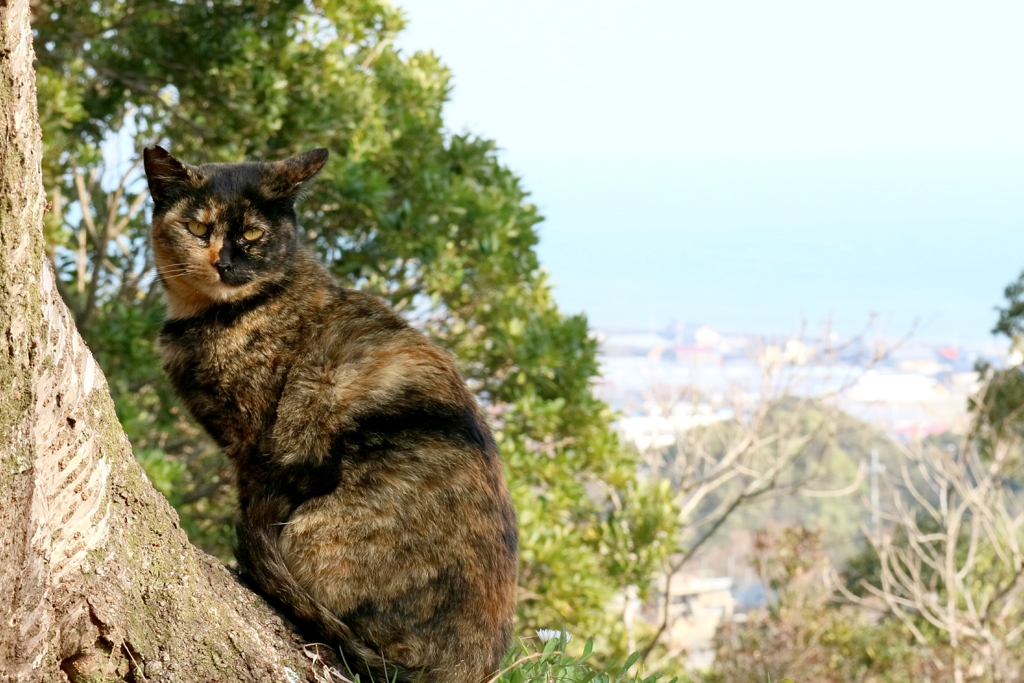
372 506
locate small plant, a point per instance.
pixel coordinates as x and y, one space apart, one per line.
551 664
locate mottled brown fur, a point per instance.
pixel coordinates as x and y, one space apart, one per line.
372 503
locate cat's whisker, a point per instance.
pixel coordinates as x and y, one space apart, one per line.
164 271
174 277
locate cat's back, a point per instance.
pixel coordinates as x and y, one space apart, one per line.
422 534
372 384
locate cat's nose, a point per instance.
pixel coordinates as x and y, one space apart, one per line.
223 262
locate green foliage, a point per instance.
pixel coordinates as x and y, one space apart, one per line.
433 222
1001 405
551 664
1011 318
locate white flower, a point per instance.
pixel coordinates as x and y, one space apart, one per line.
546 634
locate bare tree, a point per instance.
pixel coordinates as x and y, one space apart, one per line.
116 259
763 450
949 549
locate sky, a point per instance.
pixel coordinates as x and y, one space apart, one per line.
753 165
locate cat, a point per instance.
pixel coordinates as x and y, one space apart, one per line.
372 505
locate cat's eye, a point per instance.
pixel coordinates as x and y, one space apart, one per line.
252 234
198 229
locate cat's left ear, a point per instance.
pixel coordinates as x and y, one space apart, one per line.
166 175
291 175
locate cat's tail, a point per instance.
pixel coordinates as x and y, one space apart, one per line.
259 558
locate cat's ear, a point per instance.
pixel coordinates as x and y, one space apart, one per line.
166 175
290 176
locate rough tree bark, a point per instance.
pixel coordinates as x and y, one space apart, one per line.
97 580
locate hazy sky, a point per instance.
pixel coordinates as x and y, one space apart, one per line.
750 164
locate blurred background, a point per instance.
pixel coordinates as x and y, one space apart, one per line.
751 166
737 284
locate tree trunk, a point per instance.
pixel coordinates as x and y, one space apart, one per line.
97 580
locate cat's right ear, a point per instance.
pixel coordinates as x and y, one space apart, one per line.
288 178
166 175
